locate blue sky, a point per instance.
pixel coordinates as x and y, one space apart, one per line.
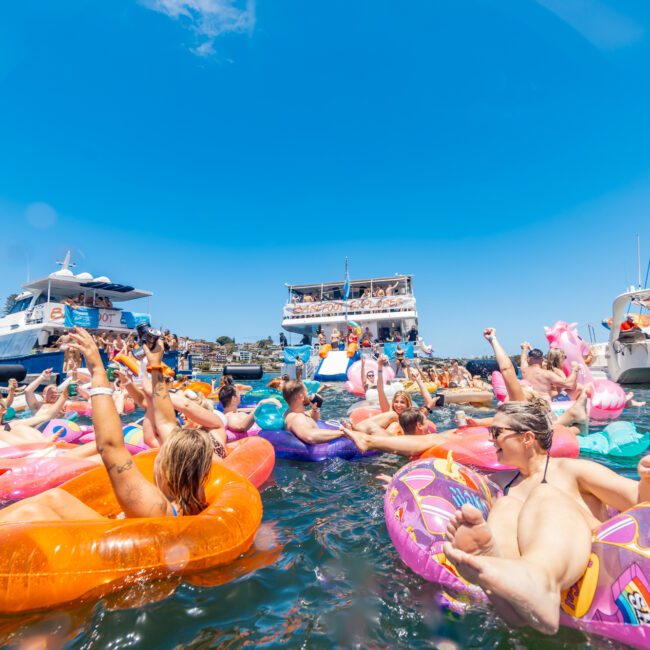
211 150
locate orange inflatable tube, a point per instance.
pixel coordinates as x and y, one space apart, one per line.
132 364
45 565
128 362
199 387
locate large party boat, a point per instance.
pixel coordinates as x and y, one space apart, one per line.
382 309
46 307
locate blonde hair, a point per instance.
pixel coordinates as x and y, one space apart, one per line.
405 395
555 358
184 462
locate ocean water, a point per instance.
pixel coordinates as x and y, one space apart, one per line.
323 573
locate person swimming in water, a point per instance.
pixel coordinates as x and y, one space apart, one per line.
545 382
240 420
537 539
296 419
180 470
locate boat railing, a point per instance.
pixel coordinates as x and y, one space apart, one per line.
61 315
355 306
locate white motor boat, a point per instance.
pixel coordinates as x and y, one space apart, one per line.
625 357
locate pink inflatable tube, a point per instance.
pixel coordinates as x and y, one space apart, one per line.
34 449
354 384
238 435
612 598
608 400
472 446
25 477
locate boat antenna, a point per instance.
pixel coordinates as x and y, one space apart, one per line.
66 263
638 259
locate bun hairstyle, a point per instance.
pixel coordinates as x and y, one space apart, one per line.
533 415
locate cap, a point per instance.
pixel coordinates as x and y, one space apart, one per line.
535 353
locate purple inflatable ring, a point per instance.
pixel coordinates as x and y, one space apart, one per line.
612 598
289 447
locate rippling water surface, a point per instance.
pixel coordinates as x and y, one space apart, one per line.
323 573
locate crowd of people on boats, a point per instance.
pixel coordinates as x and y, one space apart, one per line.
380 290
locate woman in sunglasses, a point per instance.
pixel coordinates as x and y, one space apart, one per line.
537 539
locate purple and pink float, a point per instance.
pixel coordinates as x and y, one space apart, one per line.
612 598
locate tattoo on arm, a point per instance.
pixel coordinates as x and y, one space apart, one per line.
160 389
123 468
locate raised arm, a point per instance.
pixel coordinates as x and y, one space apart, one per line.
13 387
429 402
571 381
523 359
203 417
383 401
163 409
30 391
136 495
515 391
134 392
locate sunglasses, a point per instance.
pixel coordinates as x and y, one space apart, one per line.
495 432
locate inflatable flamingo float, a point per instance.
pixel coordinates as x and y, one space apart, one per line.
608 398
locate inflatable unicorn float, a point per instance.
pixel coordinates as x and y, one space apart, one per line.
607 399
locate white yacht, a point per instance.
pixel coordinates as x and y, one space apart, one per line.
42 311
384 308
625 357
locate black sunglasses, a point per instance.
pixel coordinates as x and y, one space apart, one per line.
495 432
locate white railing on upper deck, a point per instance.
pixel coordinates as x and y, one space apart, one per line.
354 306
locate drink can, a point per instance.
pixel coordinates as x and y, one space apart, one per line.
110 373
461 419
72 389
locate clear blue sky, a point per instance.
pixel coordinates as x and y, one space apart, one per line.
211 150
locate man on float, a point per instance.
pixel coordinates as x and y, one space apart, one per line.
303 425
541 380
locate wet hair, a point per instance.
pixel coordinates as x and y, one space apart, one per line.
291 389
227 394
555 358
184 463
226 380
276 382
405 396
532 415
409 419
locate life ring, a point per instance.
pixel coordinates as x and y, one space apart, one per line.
44 565
612 597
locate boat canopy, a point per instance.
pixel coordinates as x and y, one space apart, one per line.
325 291
70 285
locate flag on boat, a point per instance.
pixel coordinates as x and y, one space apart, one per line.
346 286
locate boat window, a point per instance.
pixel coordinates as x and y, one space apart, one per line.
20 305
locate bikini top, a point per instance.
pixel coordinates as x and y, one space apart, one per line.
506 489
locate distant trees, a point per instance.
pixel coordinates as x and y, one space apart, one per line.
225 340
10 301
